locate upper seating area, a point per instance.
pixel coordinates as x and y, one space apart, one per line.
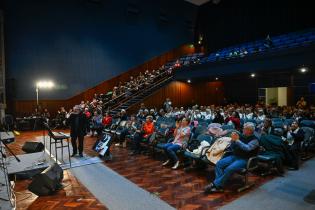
270 44
258 47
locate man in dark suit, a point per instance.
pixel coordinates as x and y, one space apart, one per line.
78 126
295 136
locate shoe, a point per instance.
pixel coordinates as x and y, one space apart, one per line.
73 154
176 165
166 163
293 168
211 188
134 153
81 155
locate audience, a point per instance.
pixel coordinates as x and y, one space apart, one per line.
242 148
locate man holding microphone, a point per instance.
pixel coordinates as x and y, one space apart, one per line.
78 126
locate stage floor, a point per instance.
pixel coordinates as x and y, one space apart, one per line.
179 189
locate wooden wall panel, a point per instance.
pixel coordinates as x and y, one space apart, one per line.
184 94
22 107
27 107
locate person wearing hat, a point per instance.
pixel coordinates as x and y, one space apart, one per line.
78 126
242 148
146 131
215 130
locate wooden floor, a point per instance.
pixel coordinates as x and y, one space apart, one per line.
180 189
73 196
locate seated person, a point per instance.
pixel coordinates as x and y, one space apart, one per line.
96 123
242 148
145 132
132 126
266 128
182 134
107 120
295 136
235 119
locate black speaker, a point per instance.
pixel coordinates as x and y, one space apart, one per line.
48 181
31 147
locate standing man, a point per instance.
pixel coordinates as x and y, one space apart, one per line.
78 126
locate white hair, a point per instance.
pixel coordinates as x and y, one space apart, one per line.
250 125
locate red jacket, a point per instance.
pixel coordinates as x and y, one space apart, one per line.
236 121
107 120
148 129
87 114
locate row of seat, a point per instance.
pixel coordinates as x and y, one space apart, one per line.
286 41
162 135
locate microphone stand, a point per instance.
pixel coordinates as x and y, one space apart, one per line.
10 151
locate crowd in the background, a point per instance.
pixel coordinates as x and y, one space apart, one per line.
248 122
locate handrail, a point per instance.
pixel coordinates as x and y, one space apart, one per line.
164 79
114 99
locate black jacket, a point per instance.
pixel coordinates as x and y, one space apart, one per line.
77 128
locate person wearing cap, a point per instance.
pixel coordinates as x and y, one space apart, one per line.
242 148
215 129
146 131
78 125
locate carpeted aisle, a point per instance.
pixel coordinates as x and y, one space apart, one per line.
110 188
115 191
281 193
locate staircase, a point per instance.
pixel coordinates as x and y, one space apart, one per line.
140 95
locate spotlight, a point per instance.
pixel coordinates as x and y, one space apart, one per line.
188 81
216 78
199 42
253 75
45 84
303 70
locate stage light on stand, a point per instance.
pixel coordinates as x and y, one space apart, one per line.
45 84
303 70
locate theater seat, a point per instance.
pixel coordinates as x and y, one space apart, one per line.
251 166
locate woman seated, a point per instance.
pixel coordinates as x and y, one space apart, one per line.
182 135
145 132
235 120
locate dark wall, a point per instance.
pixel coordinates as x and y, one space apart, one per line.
80 43
233 22
244 89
